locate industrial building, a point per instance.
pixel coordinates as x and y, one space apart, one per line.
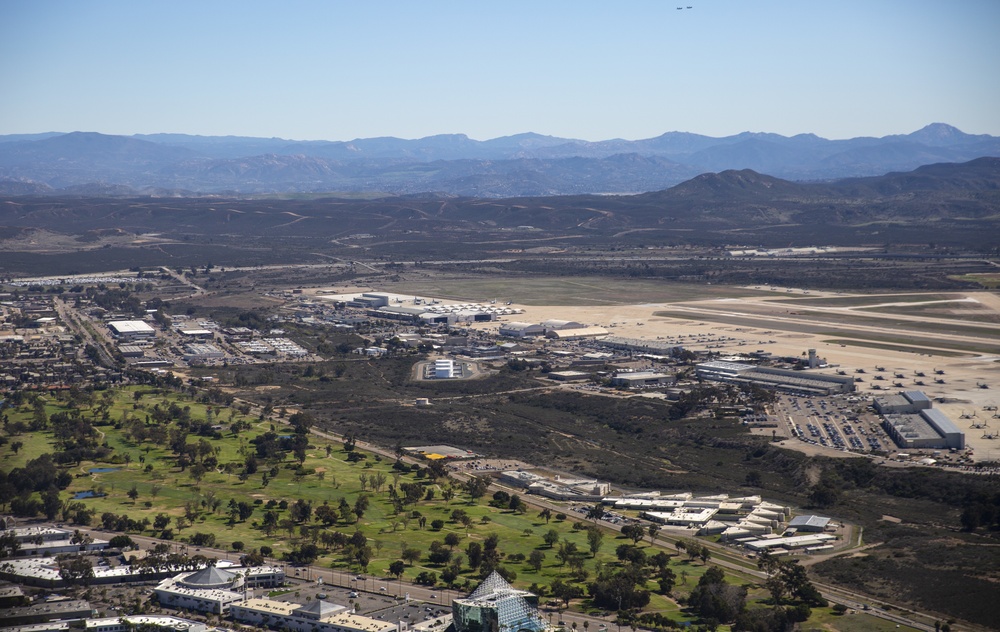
521 330
912 422
196 333
201 351
128 330
558 488
131 351
905 402
641 378
47 611
640 345
554 324
124 623
45 541
576 333
810 523
568 376
720 514
792 543
778 379
496 606
926 429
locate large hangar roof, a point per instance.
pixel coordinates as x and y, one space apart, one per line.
130 326
940 421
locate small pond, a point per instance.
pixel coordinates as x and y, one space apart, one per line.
88 494
102 470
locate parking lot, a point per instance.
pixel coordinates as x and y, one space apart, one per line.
383 603
838 422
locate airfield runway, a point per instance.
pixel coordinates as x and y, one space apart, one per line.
955 354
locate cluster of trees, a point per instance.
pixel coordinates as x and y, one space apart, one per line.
792 598
19 486
981 512
123 523
513 502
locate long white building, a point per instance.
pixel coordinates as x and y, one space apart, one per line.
214 589
48 541
317 616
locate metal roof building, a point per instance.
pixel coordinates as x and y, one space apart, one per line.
809 523
912 423
576 333
521 330
130 329
777 379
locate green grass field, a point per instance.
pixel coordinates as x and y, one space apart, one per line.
163 488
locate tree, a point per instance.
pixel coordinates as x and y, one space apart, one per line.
452 539
411 555
363 556
652 530
133 493
705 555
567 551
450 574
596 512
535 559
667 580
76 569
121 542
545 514
634 532
477 487
397 568
51 503
551 537
620 590
474 551
161 521
565 592
594 539
438 553
361 506
713 598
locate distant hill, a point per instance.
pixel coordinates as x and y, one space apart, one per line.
944 203
453 164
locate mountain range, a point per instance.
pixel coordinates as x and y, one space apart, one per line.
948 203
88 163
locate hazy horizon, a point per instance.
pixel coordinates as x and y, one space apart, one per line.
312 70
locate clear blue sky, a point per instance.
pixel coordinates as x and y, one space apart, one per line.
591 70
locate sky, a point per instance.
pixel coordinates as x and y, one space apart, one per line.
340 70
